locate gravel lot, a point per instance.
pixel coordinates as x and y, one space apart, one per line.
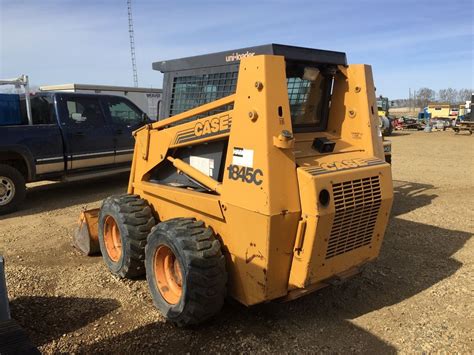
416 297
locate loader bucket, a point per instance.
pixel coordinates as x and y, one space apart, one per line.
86 236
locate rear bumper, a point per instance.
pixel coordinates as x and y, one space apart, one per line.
348 231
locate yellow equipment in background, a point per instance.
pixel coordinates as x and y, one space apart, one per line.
269 193
439 110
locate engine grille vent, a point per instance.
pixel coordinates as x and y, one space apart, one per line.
357 204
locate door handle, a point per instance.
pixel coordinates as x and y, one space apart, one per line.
79 134
118 131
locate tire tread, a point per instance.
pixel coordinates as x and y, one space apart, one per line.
206 272
137 218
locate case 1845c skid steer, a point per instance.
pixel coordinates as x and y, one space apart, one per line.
267 181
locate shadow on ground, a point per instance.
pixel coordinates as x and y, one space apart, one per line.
61 195
58 315
414 257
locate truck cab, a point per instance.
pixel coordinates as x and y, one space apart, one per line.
69 136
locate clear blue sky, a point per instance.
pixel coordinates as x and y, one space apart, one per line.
408 43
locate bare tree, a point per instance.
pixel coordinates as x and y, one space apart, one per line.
464 95
443 95
449 96
424 96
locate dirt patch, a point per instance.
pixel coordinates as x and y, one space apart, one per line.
416 297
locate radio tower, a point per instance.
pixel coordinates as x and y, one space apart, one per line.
132 43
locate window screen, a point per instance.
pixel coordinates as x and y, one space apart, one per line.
298 90
193 91
309 99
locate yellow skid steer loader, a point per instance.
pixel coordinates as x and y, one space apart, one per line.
266 181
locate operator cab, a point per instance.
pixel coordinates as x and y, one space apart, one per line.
194 81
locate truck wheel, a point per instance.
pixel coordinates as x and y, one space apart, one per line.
185 271
12 188
124 224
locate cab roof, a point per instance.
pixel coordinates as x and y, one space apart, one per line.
291 53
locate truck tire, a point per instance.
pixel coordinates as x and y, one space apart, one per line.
12 188
186 271
124 224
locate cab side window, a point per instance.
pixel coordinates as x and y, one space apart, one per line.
42 110
124 113
84 111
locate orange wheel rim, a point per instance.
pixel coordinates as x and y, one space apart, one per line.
168 274
112 239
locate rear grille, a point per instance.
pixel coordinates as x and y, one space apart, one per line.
357 204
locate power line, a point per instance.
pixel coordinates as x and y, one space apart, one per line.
132 43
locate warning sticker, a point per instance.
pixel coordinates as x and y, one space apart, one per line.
243 157
204 165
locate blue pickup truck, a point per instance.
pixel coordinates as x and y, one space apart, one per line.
63 136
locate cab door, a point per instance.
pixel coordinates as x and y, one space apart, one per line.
125 117
89 138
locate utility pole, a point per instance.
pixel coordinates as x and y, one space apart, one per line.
132 43
409 99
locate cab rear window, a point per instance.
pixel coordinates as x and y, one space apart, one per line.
13 110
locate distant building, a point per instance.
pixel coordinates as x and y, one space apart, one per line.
148 100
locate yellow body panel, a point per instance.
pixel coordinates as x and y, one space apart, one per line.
274 232
439 111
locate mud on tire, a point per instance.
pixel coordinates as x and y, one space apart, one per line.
202 274
124 224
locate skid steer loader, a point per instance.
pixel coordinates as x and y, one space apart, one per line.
266 181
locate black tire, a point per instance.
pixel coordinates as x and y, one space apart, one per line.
390 128
134 220
12 189
203 274
388 159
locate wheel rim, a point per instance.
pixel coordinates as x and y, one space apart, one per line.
7 190
112 239
168 274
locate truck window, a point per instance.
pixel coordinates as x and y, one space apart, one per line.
42 110
84 111
124 113
13 109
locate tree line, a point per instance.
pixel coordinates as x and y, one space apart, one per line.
422 97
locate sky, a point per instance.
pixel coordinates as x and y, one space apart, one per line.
410 44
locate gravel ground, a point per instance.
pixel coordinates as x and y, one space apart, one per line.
416 297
